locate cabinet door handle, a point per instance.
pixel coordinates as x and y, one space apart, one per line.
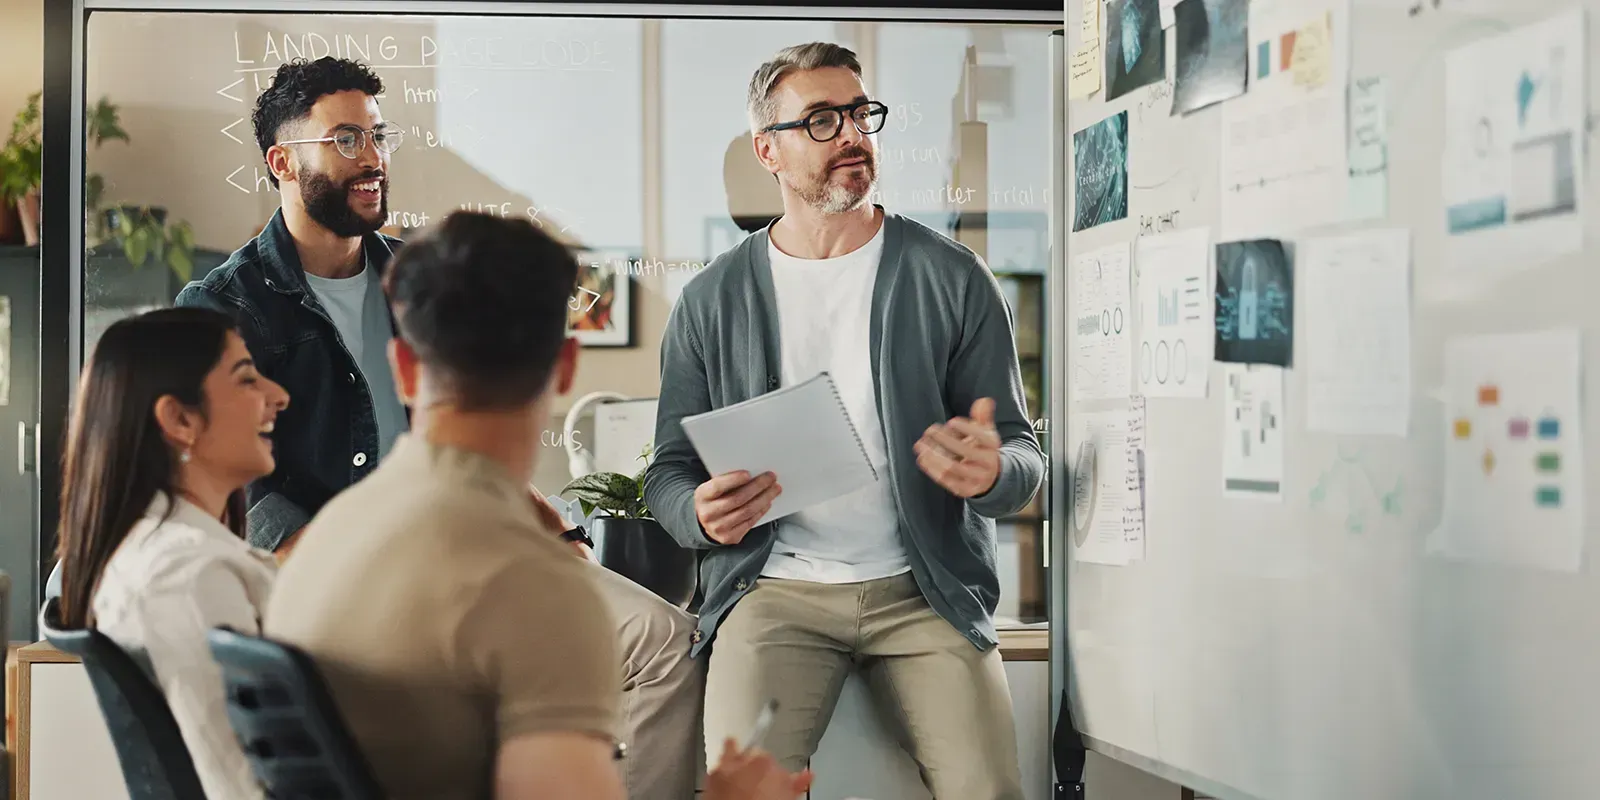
22 448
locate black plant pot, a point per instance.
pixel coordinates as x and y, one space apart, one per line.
643 551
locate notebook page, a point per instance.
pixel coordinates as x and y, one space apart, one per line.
800 433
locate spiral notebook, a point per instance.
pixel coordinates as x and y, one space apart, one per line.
800 433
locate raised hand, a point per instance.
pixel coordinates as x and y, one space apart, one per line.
962 455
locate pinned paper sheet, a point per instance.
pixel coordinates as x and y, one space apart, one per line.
1515 128
1133 534
1083 76
1312 53
1083 71
1513 444
1356 290
1252 432
1285 154
1103 528
1101 363
1177 331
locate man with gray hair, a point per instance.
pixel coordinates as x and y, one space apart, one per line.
898 577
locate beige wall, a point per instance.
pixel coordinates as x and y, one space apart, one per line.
179 157
21 55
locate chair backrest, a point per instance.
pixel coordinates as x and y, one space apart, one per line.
286 721
156 764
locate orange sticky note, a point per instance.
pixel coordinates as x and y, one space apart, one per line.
1488 395
1286 50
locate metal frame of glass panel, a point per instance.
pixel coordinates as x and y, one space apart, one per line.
61 289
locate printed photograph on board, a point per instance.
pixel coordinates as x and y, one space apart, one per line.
1100 172
1213 52
1135 46
600 311
1255 303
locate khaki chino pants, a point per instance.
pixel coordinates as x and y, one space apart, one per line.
797 641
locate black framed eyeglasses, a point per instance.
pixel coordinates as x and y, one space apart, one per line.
350 140
825 123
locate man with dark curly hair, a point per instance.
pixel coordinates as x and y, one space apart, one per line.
307 293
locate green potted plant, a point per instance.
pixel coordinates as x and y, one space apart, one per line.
21 168
104 124
144 233
631 541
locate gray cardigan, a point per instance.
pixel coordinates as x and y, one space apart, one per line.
941 338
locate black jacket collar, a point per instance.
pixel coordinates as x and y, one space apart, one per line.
281 260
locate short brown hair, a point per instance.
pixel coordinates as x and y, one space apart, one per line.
483 301
797 58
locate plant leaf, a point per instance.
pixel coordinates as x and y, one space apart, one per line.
93 187
610 491
136 246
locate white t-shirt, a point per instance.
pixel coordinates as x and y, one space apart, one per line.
824 324
358 309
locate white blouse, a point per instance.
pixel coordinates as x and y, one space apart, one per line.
168 584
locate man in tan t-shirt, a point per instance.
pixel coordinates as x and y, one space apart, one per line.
466 646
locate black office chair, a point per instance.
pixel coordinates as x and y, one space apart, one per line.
286 721
156 764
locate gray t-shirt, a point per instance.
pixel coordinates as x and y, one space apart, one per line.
357 308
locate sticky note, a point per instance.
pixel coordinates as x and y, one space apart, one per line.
1518 428
1548 496
1548 462
1463 429
1286 50
1083 69
1488 395
1083 73
1549 428
1313 53
1488 461
1263 60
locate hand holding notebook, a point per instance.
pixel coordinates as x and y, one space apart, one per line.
799 433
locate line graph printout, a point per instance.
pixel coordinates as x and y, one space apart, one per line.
1102 361
1177 331
1284 160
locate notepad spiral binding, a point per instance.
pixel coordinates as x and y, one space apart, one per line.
837 398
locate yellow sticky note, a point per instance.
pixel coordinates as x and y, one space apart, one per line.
1083 72
1089 33
1313 53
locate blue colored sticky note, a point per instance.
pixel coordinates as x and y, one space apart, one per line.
1264 59
1549 428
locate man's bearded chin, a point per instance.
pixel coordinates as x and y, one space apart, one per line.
328 204
830 197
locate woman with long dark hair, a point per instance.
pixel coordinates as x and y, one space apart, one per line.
172 422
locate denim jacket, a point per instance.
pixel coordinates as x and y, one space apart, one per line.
327 439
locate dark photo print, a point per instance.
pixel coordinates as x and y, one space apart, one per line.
1135 46
1212 52
1100 172
1255 303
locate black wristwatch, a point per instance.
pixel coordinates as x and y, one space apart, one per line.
578 534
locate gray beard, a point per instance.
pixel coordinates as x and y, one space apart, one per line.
831 198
